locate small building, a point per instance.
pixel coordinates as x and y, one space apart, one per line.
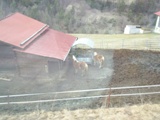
157 26
133 29
31 47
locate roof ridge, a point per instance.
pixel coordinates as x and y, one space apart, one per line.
33 35
34 38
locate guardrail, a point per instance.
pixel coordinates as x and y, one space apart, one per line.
89 96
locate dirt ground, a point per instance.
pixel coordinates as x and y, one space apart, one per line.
121 68
64 80
133 67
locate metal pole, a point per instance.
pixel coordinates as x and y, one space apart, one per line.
108 100
17 65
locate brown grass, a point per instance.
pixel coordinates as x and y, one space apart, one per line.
142 112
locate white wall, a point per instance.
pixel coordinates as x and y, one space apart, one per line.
157 26
132 29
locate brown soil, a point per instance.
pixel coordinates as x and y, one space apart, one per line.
133 68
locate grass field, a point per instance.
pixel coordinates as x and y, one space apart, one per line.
142 112
111 37
119 41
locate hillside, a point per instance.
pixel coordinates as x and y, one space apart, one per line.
86 16
142 112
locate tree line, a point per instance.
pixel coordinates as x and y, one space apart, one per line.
53 12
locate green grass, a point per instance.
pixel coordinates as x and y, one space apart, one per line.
118 41
109 37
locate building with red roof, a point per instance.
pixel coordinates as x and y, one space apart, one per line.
19 30
33 43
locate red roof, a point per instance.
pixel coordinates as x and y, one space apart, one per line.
19 30
51 44
34 37
157 13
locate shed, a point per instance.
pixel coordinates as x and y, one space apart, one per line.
35 48
133 29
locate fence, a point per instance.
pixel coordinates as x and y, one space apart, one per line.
129 44
56 96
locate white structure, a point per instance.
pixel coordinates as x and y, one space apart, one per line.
84 41
87 54
157 26
133 29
